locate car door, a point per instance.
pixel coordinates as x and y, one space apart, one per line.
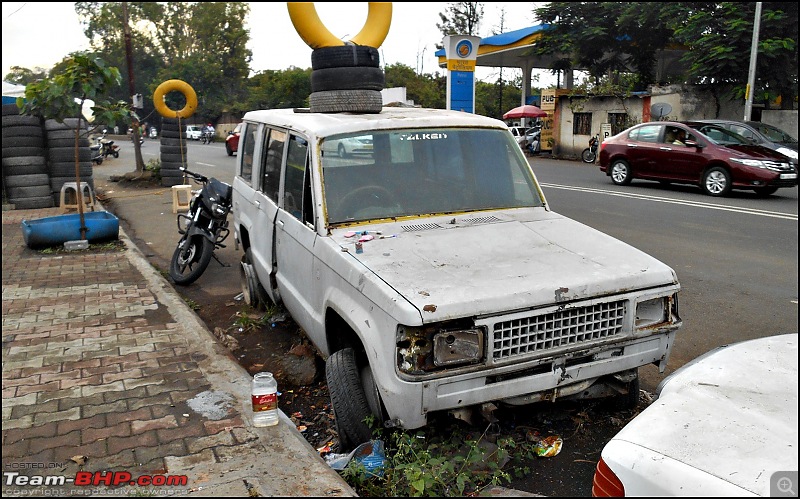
676 160
295 236
642 149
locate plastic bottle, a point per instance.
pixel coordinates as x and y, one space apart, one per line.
264 395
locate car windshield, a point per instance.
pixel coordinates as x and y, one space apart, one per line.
424 171
721 136
774 134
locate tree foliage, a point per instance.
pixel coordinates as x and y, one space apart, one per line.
460 18
718 36
612 38
201 43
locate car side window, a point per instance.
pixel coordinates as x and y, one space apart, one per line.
744 132
294 195
271 163
248 147
646 133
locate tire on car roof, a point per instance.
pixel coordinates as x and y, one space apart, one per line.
337 101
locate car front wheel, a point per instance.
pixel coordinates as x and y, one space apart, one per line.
716 182
620 172
351 405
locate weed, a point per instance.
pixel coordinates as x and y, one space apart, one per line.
248 321
455 463
114 245
192 304
154 165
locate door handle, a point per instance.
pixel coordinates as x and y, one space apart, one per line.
280 223
665 148
257 203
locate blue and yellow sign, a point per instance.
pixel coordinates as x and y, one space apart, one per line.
461 52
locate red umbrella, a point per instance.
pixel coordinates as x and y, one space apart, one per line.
524 112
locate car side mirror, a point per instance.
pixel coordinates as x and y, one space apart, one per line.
693 143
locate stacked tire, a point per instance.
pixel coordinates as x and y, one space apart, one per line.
346 78
173 152
61 155
26 183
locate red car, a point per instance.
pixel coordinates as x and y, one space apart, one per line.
232 140
709 156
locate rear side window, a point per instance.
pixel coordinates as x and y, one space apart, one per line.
271 163
248 146
293 190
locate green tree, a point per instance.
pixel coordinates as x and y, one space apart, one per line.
460 18
719 37
83 78
23 76
201 43
612 39
424 90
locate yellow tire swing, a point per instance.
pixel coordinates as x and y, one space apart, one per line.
171 175
351 79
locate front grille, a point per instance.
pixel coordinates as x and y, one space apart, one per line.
561 328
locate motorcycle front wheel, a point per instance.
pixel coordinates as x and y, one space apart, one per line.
190 259
587 156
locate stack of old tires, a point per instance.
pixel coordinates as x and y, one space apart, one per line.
173 152
61 154
346 78
25 180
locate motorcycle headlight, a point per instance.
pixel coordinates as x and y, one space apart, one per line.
219 209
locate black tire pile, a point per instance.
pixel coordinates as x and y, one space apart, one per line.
61 155
346 78
173 152
26 183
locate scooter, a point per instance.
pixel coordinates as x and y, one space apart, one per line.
590 153
203 229
107 146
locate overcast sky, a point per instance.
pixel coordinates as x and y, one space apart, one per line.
42 33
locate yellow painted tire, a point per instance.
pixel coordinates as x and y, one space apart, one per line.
159 99
310 28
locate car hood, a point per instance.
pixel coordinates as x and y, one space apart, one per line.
730 416
757 151
472 264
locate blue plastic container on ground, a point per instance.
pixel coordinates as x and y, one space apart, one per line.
54 231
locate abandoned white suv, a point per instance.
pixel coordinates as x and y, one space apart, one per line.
430 272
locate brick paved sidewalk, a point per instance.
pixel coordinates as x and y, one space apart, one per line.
102 359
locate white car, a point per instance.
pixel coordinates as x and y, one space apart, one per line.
430 271
348 145
193 132
723 425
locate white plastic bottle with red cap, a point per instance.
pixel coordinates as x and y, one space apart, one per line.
265 400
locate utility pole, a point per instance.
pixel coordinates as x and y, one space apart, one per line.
131 87
751 75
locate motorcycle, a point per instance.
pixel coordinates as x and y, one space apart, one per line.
203 229
590 153
534 145
207 137
107 146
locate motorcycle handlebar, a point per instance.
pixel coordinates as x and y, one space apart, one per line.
196 176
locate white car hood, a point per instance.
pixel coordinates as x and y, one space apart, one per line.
729 419
483 265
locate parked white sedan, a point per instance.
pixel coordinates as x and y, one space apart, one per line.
723 425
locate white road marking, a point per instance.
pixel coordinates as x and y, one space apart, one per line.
698 204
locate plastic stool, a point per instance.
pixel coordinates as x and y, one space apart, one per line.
72 189
177 203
